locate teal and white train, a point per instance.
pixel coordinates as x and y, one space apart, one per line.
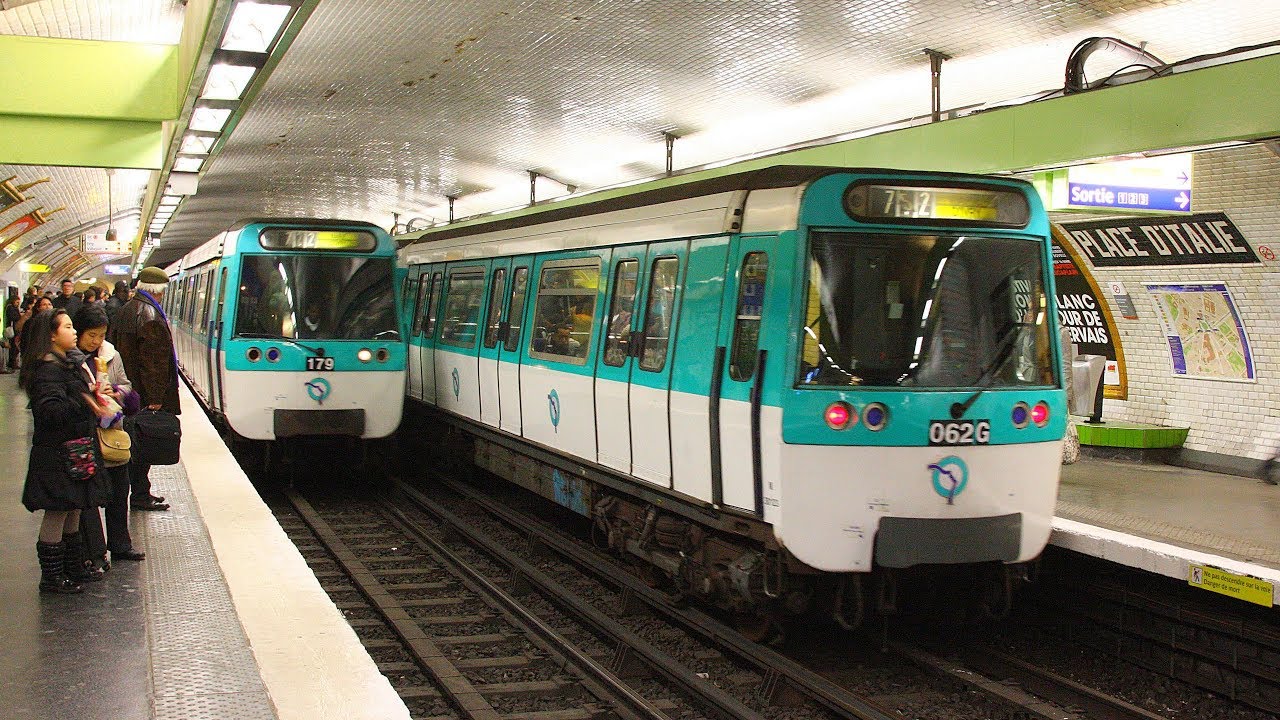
291 327
773 386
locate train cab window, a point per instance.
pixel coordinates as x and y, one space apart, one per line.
317 297
617 339
461 317
515 315
432 301
564 313
496 293
746 324
926 311
659 313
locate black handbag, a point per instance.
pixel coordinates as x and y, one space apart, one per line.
157 437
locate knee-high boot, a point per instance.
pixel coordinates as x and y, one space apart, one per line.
75 561
53 574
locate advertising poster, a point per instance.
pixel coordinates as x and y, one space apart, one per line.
1084 314
1205 333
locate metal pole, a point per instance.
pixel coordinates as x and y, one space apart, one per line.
936 58
452 199
533 185
671 144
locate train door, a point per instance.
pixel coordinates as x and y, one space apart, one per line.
740 380
433 281
510 334
215 342
614 362
490 344
413 289
457 359
207 322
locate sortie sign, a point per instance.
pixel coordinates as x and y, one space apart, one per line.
1205 238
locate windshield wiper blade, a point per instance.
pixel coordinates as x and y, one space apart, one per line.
1003 353
318 352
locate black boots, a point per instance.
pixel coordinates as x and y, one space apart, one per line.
53 573
78 567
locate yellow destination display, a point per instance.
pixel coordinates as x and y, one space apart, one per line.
287 239
1240 587
966 206
921 203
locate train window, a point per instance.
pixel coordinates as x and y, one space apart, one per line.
515 314
926 311
659 313
617 339
462 298
412 288
433 306
317 297
564 313
496 293
746 325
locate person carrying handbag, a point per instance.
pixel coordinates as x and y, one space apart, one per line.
140 333
91 332
63 473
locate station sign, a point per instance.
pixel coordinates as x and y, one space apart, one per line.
1158 184
117 269
97 244
1201 239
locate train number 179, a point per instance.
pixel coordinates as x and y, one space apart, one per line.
319 363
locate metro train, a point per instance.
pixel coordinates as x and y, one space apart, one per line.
291 327
784 389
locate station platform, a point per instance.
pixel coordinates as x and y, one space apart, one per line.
223 619
1166 519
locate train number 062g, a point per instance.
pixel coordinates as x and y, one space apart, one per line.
959 432
319 363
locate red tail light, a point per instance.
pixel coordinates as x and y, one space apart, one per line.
839 415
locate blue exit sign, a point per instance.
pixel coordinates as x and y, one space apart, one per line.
1128 198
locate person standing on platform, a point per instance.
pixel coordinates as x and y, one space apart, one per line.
63 411
141 335
12 311
91 334
119 296
68 300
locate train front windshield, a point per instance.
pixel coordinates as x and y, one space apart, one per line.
317 297
925 311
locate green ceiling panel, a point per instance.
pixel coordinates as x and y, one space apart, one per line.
80 142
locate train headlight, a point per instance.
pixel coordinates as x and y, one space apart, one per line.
273 354
840 415
365 355
382 354
1021 415
1040 414
875 416
253 354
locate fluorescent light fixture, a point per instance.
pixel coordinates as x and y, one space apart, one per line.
169 200
209 119
227 82
254 26
188 164
197 145
162 215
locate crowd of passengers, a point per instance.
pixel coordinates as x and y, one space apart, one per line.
87 361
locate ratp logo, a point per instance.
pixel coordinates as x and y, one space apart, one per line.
950 475
318 389
553 406
457 384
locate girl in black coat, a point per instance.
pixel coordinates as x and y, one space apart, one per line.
63 410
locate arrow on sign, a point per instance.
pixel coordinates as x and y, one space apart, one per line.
1183 177
1182 200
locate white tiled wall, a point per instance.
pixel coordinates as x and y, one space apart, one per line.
1241 419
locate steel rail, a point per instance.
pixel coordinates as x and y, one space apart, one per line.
717 700
777 668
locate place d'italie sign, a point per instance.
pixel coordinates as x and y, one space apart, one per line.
1205 238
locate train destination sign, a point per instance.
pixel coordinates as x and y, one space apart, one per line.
1201 239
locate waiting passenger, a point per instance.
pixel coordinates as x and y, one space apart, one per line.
62 475
68 300
141 336
91 332
119 296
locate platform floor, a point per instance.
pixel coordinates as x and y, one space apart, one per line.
222 620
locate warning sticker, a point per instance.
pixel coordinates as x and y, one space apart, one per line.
1240 587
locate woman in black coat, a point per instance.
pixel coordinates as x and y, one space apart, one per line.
63 410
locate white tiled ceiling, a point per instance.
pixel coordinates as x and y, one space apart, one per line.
149 21
386 106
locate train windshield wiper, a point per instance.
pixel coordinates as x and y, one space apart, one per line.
1003 353
318 352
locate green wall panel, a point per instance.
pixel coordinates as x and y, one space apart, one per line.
80 142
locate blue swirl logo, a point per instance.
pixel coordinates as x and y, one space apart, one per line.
950 476
457 384
318 389
553 405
